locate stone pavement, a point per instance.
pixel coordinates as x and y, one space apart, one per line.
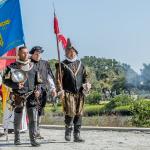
95 140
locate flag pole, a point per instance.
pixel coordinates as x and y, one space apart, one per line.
58 51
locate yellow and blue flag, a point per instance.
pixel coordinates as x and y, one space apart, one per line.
11 31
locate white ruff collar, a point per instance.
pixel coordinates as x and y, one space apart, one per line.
23 62
72 60
26 65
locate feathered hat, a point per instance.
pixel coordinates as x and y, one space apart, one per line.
69 46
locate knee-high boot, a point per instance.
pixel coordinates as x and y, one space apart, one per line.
68 127
32 114
77 127
38 135
17 122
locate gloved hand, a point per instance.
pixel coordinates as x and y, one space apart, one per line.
61 94
37 93
53 93
86 88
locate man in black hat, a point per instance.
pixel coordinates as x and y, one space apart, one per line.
46 78
21 76
74 78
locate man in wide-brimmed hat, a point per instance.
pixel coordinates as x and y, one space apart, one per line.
74 79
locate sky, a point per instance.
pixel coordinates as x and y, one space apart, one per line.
117 29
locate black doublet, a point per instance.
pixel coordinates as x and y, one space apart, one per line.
74 76
43 68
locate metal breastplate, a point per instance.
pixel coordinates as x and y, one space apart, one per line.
19 72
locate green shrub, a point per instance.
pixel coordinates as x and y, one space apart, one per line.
120 100
93 98
141 113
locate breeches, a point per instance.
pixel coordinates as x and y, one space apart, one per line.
73 104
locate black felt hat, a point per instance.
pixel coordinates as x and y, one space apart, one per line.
36 48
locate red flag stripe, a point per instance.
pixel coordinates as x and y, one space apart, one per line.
63 40
56 26
4 62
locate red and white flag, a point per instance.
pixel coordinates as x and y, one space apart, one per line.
61 38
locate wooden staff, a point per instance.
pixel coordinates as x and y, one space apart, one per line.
56 31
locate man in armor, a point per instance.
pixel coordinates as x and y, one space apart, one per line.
47 81
70 83
21 76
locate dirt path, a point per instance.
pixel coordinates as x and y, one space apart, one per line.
95 140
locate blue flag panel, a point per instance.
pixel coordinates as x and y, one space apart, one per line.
11 31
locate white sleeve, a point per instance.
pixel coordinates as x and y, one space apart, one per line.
51 82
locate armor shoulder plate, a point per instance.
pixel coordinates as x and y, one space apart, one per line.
7 72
